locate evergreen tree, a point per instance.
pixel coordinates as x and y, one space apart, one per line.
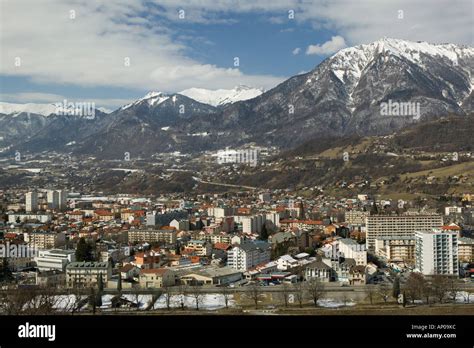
119 283
264 233
83 251
375 209
5 272
100 283
396 287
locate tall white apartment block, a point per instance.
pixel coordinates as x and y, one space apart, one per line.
31 200
62 199
248 255
436 252
220 212
53 199
402 226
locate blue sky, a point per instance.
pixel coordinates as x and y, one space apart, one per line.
76 49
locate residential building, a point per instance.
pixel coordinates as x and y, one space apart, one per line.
14 218
349 248
54 259
436 252
248 254
45 239
156 278
152 235
31 200
356 217
392 225
200 247
466 249
52 197
396 248
87 274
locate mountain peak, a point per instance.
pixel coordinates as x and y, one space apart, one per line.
220 97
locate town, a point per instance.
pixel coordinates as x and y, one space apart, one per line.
249 251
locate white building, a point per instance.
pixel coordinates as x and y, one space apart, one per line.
54 259
251 224
43 218
62 199
31 200
452 210
436 252
53 199
265 197
220 212
350 249
285 262
248 255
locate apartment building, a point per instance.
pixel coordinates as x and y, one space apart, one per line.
436 252
356 217
218 212
156 278
86 274
392 225
31 202
248 255
54 259
43 218
466 249
45 239
152 235
349 248
200 247
396 248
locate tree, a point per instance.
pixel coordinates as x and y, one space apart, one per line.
285 290
100 290
119 283
453 288
83 251
315 289
414 286
384 292
264 233
255 294
92 300
167 295
196 293
375 209
439 286
6 274
371 293
226 294
299 293
396 288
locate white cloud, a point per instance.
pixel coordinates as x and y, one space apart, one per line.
296 51
329 47
90 49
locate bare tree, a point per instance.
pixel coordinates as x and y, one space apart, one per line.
371 290
440 287
299 293
183 291
167 295
315 289
453 288
255 293
285 290
196 293
384 292
427 292
414 286
226 294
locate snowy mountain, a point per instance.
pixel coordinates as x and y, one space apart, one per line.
32 108
15 109
221 97
341 96
151 98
